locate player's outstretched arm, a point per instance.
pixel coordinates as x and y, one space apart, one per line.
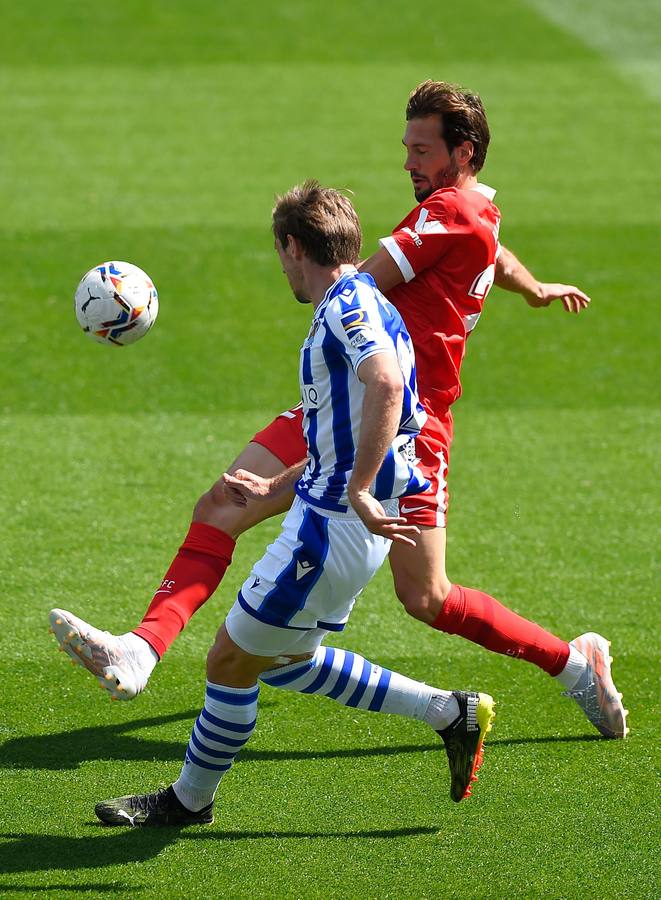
243 485
380 414
512 275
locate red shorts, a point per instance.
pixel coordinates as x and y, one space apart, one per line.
432 449
284 436
284 439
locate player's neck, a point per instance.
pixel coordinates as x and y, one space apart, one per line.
320 278
466 181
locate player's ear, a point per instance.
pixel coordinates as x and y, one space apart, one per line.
294 247
463 153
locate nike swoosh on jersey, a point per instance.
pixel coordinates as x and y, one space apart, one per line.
410 509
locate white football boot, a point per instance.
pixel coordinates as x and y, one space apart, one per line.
121 664
595 692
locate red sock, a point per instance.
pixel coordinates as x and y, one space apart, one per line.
195 573
485 621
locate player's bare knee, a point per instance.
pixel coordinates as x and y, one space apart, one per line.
226 665
203 508
211 500
422 603
217 660
215 508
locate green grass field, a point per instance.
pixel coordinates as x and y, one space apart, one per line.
159 133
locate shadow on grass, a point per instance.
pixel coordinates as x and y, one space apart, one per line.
38 852
69 749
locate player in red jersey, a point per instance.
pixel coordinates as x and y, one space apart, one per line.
437 267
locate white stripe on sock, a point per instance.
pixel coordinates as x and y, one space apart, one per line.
221 730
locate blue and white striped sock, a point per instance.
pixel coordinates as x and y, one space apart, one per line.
221 730
353 681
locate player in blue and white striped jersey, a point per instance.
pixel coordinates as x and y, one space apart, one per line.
352 323
361 408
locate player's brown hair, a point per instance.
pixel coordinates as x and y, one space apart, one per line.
322 219
462 116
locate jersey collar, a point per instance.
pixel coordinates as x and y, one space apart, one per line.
485 190
331 289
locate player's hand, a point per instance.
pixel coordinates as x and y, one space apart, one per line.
572 298
243 486
375 519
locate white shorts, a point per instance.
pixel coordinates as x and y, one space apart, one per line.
306 583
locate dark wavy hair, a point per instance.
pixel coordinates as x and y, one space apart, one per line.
461 114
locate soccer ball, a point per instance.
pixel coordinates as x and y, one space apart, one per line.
116 303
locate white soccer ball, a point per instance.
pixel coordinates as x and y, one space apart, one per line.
116 303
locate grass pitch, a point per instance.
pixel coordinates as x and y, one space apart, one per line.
159 133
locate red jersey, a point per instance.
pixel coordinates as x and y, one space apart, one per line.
446 250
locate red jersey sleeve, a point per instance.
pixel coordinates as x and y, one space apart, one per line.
424 236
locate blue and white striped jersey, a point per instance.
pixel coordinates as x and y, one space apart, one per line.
353 322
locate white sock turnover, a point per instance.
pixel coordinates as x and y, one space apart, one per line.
575 669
